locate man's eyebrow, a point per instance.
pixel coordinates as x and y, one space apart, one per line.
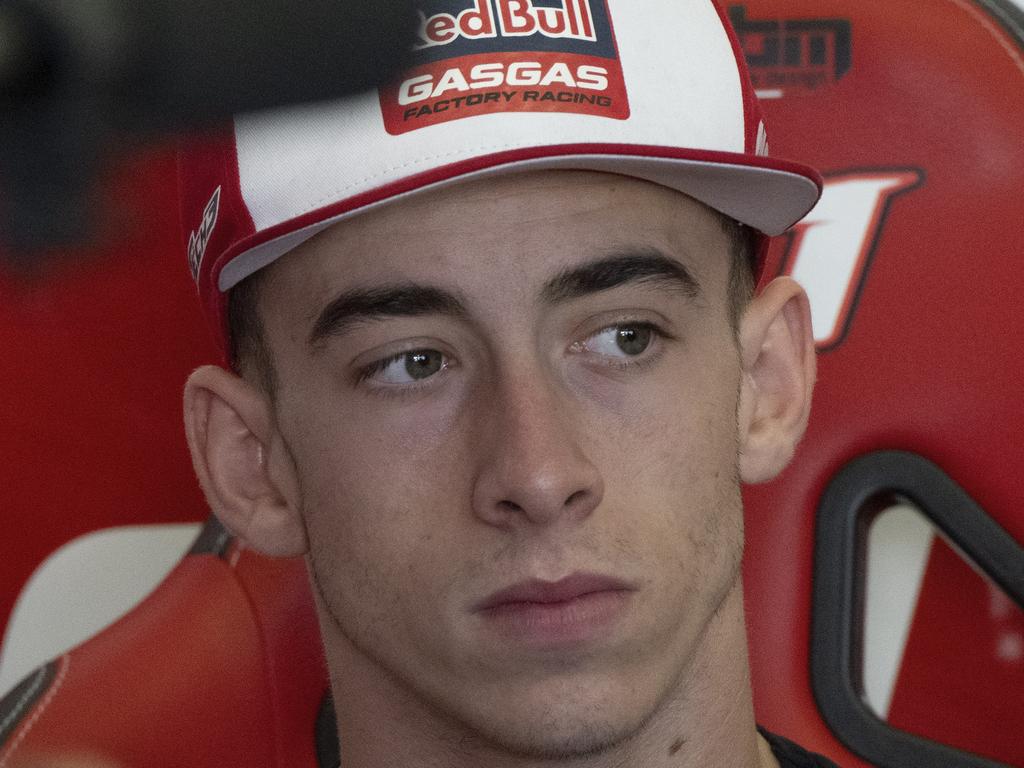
645 265
363 305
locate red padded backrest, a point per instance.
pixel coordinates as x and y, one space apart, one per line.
924 108
222 665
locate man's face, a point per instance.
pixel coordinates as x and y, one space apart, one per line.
511 382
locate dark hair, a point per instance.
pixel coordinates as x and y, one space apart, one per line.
743 246
251 357
247 345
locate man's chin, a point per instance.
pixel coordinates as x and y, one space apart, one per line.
546 739
559 723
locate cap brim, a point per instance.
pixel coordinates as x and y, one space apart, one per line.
765 193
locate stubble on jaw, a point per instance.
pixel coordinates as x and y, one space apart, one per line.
592 739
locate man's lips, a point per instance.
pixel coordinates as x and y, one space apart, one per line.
556 615
540 592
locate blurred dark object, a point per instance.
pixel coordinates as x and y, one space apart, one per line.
81 78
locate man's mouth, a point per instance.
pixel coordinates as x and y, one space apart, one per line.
555 613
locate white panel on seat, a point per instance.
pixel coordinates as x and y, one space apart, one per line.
85 586
899 543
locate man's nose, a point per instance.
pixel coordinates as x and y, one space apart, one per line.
532 466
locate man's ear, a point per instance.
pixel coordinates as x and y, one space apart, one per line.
777 353
242 463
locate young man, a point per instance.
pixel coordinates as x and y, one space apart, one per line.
498 373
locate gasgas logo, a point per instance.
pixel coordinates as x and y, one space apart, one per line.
484 57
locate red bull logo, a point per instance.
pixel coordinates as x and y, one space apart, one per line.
477 57
508 18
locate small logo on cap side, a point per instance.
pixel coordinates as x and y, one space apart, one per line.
200 238
477 57
761 150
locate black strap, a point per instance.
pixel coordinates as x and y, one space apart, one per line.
328 752
791 755
17 704
213 539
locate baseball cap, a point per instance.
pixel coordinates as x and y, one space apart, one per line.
657 90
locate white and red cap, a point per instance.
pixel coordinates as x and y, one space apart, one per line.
653 89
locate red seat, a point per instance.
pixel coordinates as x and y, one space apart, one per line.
913 112
222 665
913 109
95 350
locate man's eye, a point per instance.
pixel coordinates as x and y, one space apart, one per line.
407 367
622 340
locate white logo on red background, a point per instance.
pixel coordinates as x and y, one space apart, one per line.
761 150
832 247
200 238
518 74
